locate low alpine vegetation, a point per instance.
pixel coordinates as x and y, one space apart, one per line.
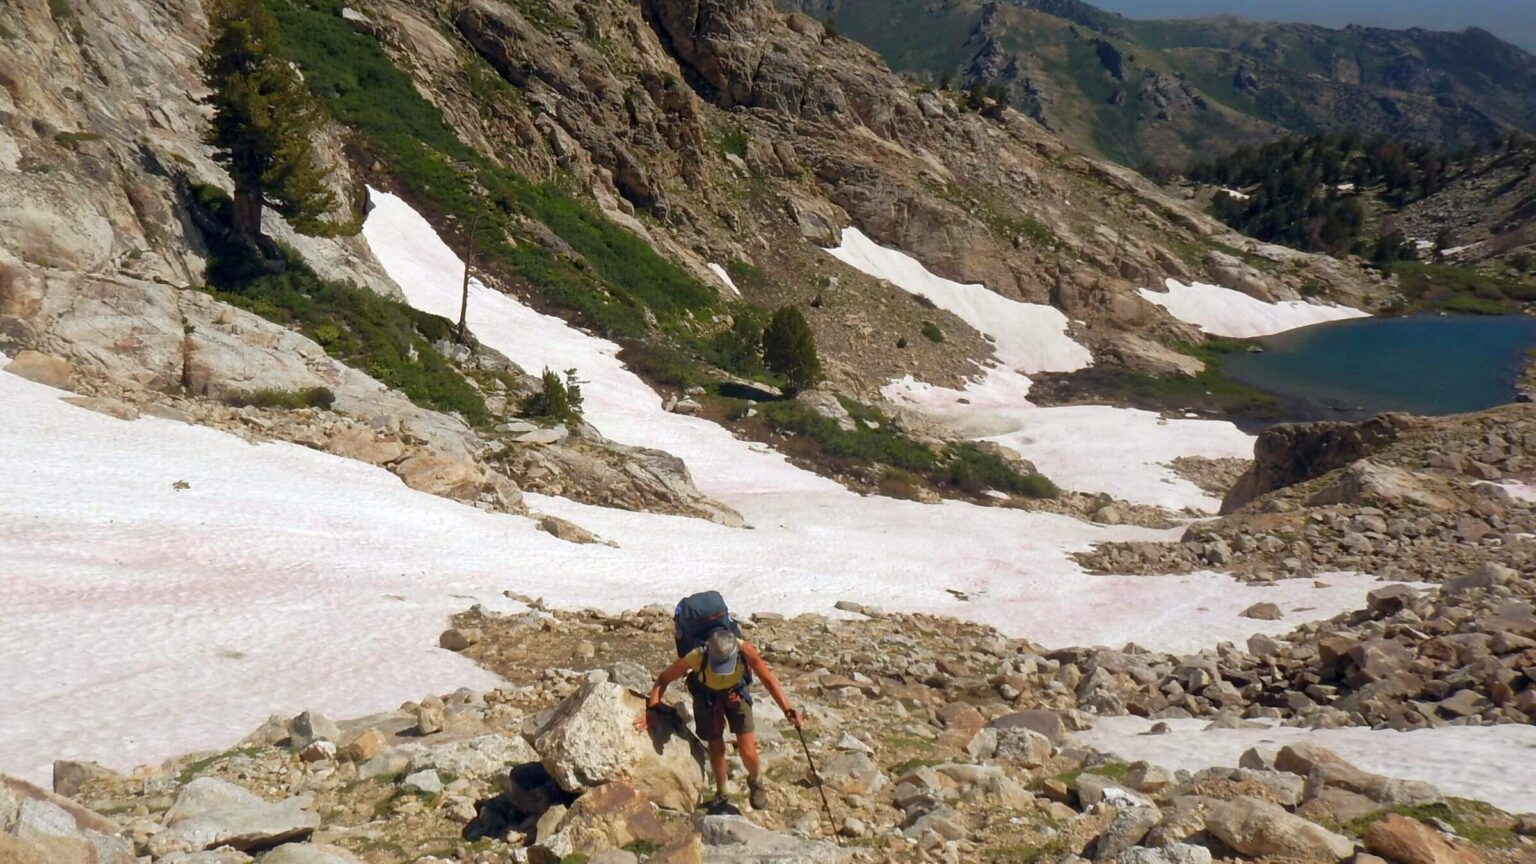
385 338
313 397
557 400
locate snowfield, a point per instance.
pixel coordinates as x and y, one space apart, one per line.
1028 337
143 621
1479 762
1224 312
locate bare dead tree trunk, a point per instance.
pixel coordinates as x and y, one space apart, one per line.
464 307
474 231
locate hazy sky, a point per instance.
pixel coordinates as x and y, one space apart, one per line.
1510 20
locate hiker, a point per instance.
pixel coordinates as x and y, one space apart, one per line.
719 673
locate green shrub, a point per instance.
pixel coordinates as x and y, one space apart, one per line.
864 444
975 470
314 397
740 348
874 440
932 332
664 364
734 141
557 400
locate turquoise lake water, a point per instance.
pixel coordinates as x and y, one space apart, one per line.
1424 364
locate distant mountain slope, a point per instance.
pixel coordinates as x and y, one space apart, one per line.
1139 91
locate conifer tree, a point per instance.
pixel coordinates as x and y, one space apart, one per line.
264 120
789 349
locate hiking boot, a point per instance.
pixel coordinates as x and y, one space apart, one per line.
757 795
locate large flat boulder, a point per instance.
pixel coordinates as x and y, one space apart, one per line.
209 813
42 369
1261 829
735 840
480 757
1409 841
39 826
591 740
310 853
1366 482
445 476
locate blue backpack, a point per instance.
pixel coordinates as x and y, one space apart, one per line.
697 616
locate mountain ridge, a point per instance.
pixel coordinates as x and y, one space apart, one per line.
1167 90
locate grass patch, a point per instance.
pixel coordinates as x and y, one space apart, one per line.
385 338
615 283
1466 290
903 768
641 848
314 397
1115 771
193 769
73 140
1210 390
733 142
874 439
1049 850
664 364
932 333
1466 817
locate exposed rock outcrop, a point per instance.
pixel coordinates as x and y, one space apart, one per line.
1291 453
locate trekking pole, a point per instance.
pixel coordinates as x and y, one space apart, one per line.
831 823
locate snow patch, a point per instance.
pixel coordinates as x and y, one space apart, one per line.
724 277
1092 449
1467 761
1224 312
1125 452
1029 337
1518 491
1233 194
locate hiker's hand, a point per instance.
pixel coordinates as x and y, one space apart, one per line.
643 722
793 717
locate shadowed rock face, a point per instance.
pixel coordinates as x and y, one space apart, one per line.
1292 453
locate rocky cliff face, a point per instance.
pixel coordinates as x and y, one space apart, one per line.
686 111
716 132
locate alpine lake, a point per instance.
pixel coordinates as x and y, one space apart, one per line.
1422 364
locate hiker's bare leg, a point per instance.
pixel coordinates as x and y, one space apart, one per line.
717 763
746 744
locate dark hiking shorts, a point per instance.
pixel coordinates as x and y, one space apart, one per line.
711 716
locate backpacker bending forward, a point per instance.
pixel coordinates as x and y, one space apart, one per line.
719 666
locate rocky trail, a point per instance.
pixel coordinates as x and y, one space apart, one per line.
938 740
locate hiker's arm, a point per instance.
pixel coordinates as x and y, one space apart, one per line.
764 674
667 676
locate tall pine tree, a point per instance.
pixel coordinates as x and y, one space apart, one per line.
264 121
789 349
